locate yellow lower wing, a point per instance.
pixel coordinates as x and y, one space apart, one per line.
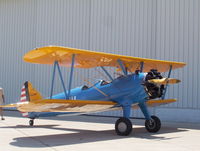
60 105
153 103
83 106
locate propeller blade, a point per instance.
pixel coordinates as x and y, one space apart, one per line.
164 81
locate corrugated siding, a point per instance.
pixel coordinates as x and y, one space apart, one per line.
177 38
160 29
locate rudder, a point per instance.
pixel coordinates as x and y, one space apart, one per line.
28 94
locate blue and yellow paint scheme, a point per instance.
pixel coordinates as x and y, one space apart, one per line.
136 88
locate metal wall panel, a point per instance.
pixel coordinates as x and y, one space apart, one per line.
16 36
160 29
177 38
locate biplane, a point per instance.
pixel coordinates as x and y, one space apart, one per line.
140 85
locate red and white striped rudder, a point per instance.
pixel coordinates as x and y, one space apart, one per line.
24 97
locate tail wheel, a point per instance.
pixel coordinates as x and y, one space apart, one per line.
31 122
123 126
153 125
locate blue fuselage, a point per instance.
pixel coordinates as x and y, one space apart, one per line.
126 87
122 90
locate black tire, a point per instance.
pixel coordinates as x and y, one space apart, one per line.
31 122
153 125
123 126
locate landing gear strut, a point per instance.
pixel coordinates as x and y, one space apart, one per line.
31 122
123 126
153 125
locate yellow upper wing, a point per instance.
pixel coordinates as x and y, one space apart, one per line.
90 59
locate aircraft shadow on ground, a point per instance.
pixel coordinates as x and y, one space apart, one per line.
72 136
78 136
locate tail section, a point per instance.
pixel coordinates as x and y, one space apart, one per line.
28 94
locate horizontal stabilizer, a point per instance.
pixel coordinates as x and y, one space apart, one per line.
9 105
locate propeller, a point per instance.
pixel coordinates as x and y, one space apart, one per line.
164 81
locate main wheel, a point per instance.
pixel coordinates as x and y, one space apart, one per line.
123 126
153 125
31 122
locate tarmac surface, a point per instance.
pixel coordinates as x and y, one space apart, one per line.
86 133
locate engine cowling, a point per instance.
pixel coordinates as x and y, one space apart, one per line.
153 90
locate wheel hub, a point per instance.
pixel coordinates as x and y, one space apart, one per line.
151 124
122 127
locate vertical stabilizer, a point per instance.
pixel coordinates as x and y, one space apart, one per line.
28 94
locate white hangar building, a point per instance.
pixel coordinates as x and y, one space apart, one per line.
157 29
